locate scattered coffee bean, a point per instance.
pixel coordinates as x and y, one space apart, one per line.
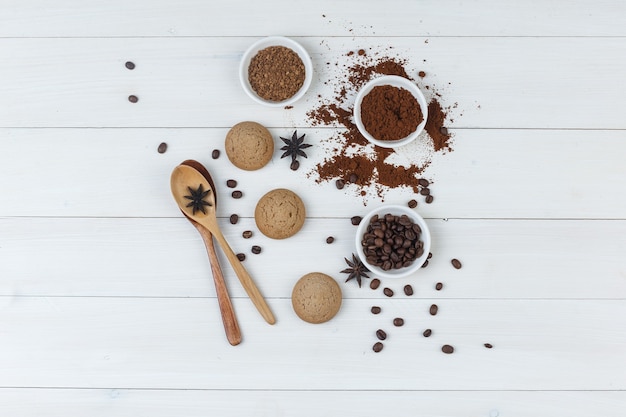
447 349
398 322
439 286
434 309
294 165
380 334
234 219
378 346
376 310
162 147
488 345
427 333
456 263
256 249
330 239
133 99
429 199
356 220
412 203
340 184
237 194
241 257
375 283
130 65
388 292
231 183
425 264
425 191
353 178
444 130
408 290
430 255
247 234
423 182
215 154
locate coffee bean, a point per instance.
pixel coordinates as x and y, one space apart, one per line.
412 203
375 283
231 183
388 292
488 345
423 182
130 65
380 334
434 309
237 194
241 257
429 199
408 290
294 165
444 130
376 310
256 249
162 147
398 322
330 239
353 178
427 333
247 234
425 264
215 154
439 286
356 220
378 346
425 191
234 219
133 99
456 263
340 184
430 255
447 349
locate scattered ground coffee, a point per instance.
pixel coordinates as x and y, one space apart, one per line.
276 73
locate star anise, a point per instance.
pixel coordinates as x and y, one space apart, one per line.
293 147
197 199
356 269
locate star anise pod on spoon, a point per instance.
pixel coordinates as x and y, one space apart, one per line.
197 199
356 269
293 147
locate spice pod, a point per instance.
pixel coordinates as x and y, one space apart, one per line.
276 71
404 102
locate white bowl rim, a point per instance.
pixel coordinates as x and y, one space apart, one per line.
396 81
275 41
394 209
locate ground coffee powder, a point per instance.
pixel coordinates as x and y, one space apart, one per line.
276 73
390 113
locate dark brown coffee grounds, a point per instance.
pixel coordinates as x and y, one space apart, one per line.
276 73
434 126
390 113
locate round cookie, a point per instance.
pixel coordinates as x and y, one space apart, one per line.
279 214
249 145
316 298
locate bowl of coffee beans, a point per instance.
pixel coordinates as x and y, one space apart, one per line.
390 111
276 71
393 241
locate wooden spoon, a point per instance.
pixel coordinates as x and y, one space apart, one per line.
231 326
183 181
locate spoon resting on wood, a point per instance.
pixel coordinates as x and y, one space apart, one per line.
231 326
196 198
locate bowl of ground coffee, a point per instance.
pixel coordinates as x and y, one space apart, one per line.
390 111
393 241
276 71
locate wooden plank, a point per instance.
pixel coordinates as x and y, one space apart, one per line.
179 344
192 82
490 174
503 259
234 18
194 403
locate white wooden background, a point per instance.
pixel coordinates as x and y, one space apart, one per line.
106 303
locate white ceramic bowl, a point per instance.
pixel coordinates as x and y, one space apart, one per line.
395 81
265 43
396 210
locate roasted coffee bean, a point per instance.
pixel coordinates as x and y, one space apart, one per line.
237 194
378 346
430 255
130 65
294 165
330 239
412 203
162 147
215 154
231 183
425 191
447 349
340 184
434 309
256 249
427 333
429 199
133 99
353 178
375 283
356 220
425 264
388 292
241 257
234 219
456 263
380 334
376 310
439 286
408 290
443 130
488 345
247 234
423 182
398 322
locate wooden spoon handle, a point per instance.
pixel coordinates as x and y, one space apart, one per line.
231 326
